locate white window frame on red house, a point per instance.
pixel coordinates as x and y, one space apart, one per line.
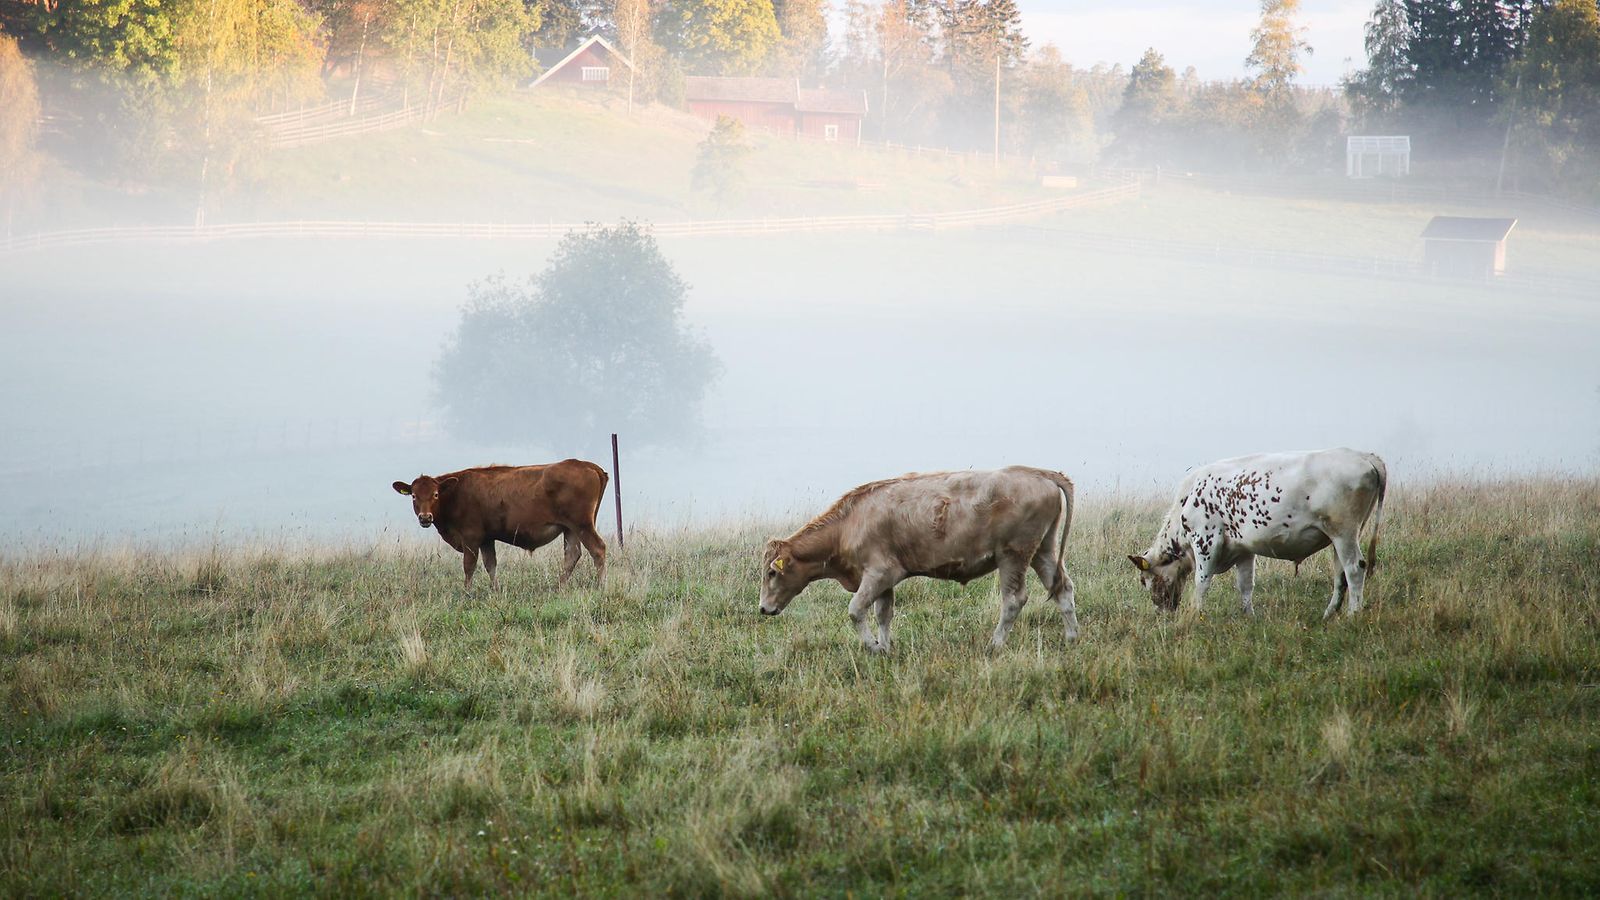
830 132
596 73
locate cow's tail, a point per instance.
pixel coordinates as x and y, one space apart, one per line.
1064 518
600 495
1377 517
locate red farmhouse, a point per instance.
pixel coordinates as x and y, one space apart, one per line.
779 104
592 64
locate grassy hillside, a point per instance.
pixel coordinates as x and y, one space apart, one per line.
261 721
542 156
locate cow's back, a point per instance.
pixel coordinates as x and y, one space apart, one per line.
1265 497
927 521
503 501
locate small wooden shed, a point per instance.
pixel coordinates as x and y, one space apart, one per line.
591 63
1466 246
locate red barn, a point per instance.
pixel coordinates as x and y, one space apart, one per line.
832 115
594 63
780 105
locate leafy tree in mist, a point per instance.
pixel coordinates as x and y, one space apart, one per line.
1555 115
724 37
1055 110
803 48
595 343
719 168
19 117
1377 88
1149 100
1276 48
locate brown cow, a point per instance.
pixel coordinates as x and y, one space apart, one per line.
527 506
957 526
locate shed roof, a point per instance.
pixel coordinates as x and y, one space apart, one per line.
824 100
747 90
1468 228
553 58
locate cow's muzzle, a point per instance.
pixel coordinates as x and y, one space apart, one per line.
425 521
770 612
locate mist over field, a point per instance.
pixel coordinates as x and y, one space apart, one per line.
276 388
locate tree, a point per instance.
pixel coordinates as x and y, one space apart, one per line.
1054 119
1148 101
19 117
719 167
803 50
1276 49
725 37
982 38
1556 87
595 343
1377 88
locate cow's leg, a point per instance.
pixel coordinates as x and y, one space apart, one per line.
873 586
1244 575
885 604
1013 593
469 562
1204 568
597 551
1339 586
1348 546
1058 586
487 550
571 552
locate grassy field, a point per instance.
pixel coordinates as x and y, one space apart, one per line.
1545 240
266 721
538 157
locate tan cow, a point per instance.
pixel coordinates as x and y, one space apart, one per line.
526 506
957 526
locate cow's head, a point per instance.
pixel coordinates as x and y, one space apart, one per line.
781 577
425 494
1162 574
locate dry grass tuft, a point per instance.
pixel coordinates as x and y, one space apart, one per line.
414 657
575 696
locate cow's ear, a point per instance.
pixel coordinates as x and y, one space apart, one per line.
1139 563
448 482
400 487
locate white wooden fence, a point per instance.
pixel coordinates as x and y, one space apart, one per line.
1014 212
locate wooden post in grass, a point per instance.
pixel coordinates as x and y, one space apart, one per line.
616 486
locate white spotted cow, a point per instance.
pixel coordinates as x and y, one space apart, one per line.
1277 505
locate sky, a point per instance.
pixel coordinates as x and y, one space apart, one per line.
1211 35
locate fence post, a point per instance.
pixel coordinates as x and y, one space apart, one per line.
616 485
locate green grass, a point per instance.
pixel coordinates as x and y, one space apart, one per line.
262 721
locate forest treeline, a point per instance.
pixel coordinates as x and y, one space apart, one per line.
169 89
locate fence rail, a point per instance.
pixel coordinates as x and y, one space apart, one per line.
498 231
376 112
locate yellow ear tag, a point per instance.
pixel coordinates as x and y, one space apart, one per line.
778 564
